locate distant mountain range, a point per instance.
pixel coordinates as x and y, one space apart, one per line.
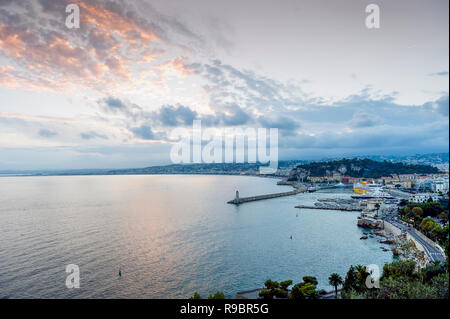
175 169
434 159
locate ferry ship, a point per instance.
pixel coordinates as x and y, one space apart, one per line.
377 194
365 188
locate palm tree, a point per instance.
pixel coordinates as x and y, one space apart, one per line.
335 280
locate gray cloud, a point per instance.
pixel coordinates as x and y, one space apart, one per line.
144 132
363 119
431 137
231 86
287 125
176 116
92 135
47 133
443 73
114 103
441 105
234 115
179 115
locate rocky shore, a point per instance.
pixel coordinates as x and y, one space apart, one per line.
402 247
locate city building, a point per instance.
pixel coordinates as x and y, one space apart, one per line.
440 185
423 197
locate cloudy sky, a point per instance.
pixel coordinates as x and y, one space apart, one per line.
107 95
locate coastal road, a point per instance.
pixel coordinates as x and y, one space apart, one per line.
433 253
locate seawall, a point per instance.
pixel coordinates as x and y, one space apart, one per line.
388 227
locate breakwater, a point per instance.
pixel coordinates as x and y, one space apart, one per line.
238 200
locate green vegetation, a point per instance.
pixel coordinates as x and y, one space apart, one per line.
306 289
196 296
421 215
335 280
303 290
364 168
434 230
355 280
217 295
275 289
400 280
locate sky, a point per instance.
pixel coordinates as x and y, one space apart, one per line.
109 94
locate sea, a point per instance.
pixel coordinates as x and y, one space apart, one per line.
168 236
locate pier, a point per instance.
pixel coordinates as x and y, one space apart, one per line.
238 200
344 208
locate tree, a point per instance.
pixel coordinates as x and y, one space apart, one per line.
435 269
304 290
266 294
269 291
356 279
417 211
275 289
310 279
335 280
400 270
401 280
350 279
196 296
217 295
406 211
282 291
285 284
440 283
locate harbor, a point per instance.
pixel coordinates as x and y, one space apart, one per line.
298 188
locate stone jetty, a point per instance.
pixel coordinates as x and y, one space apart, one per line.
241 200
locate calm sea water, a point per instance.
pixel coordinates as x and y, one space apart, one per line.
170 235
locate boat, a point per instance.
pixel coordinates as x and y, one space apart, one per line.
312 189
365 188
377 194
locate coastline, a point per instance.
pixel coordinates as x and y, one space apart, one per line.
415 250
148 174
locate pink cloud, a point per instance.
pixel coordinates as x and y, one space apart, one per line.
106 51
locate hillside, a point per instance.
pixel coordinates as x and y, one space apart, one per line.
362 168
